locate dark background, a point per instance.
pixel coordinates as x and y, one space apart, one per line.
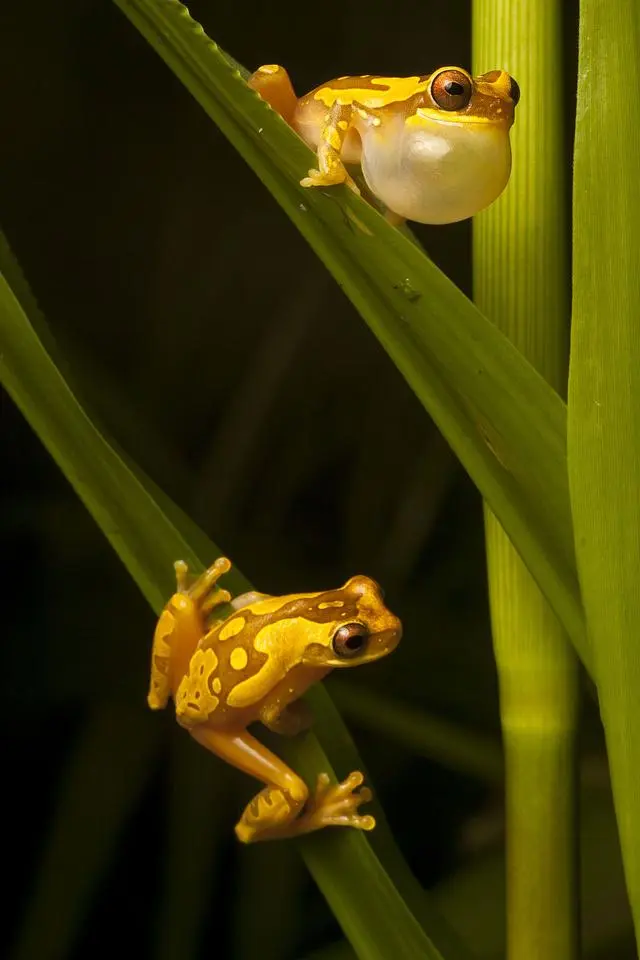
219 353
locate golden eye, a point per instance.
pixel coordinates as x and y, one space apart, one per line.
451 90
350 640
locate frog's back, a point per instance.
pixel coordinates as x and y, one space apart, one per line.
372 93
369 91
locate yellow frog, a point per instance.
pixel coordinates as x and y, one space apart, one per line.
434 149
254 665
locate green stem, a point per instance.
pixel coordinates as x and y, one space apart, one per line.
520 281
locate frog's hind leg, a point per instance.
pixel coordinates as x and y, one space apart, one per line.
174 641
180 627
272 83
273 811
284 809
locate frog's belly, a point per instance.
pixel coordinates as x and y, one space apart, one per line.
437 173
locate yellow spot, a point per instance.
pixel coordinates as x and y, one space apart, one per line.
363 113
331 603
232 628
203 663
343 124
269 68
293 635
376 121
238 658
194 699
273 604
216 685
331 136
383 90
166 625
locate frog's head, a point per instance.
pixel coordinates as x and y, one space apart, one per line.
444 155
453 96
354 626
464 124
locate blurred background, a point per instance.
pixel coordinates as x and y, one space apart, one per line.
223 358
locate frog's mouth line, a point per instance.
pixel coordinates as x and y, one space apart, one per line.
455 120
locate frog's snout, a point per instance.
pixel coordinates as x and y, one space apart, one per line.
500 84
514 91
388 639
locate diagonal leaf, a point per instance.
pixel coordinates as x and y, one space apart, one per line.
506 425
604 388
347 867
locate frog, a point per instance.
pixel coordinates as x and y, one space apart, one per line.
225 673
433 148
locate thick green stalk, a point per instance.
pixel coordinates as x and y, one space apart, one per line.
521 283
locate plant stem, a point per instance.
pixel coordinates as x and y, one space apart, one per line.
521 283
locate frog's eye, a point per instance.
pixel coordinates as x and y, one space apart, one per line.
451 90
514 91
350 640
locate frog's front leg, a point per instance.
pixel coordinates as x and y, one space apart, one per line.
277 812
332 169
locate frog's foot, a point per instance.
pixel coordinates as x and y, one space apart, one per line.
337 174
272 83
336 805
201 589
274 815
269 816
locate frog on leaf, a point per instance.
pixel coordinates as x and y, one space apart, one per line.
432 148
254 666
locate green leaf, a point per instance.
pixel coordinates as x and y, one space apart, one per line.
349 869
604 388
506 425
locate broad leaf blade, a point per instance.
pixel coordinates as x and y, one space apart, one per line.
346 866
604 388
503 421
